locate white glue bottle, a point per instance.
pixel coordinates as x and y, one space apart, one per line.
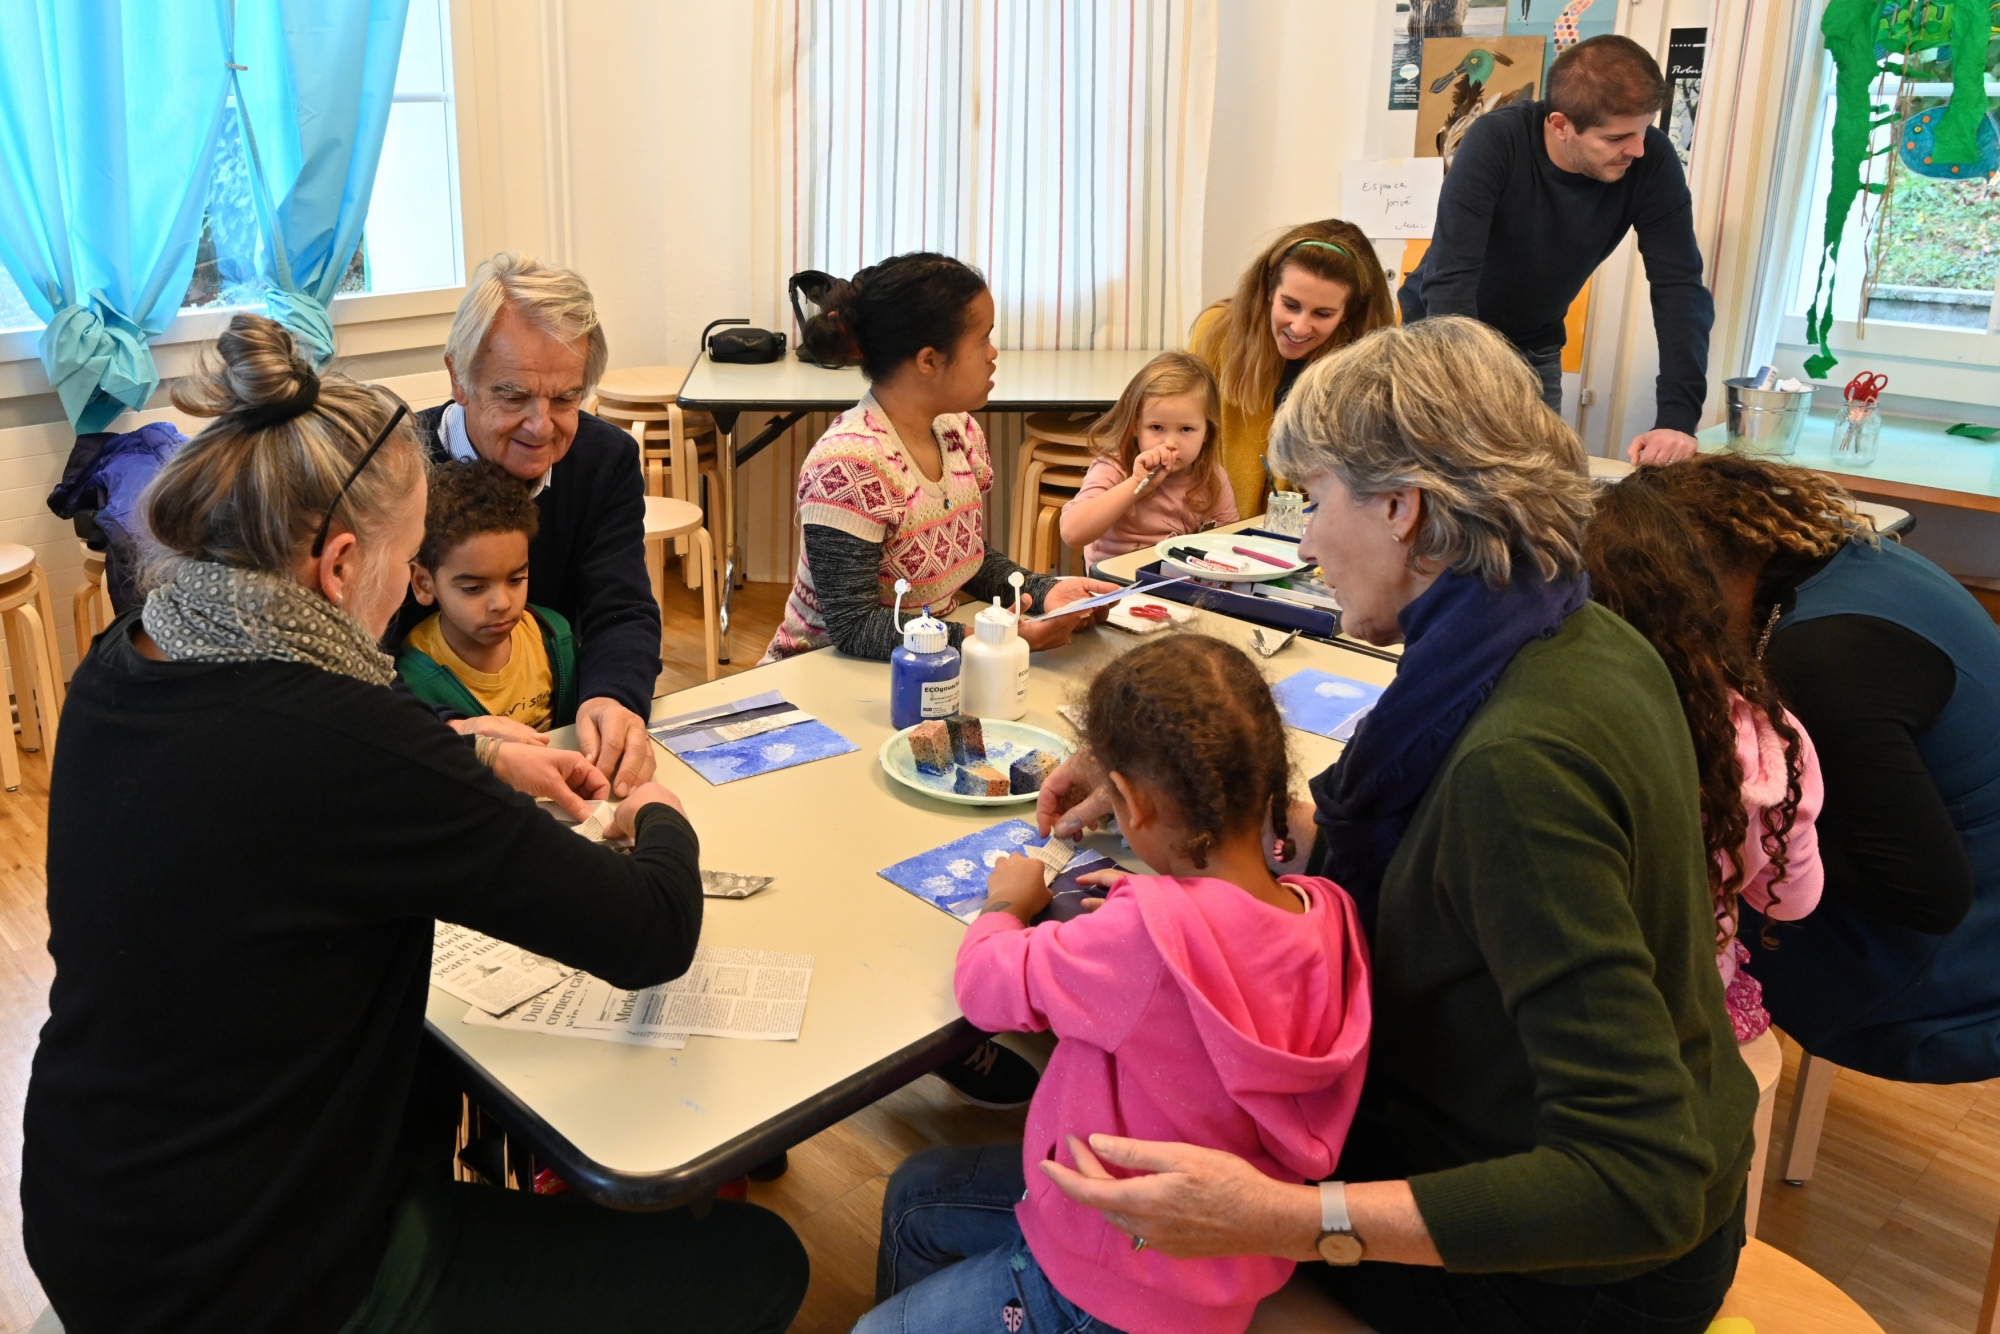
995 672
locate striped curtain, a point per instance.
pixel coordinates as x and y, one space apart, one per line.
1059 145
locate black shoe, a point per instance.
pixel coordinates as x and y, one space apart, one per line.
991 1076
771 1170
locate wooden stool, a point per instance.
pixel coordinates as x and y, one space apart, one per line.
666 519
31 655
1778 1295
1055 488
1053 440
677 448
90 609
1766 1058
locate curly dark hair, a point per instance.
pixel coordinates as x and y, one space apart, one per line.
1750 511
471 497
1194 718
1647 562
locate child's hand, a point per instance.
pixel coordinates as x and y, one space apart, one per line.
1017 885
1100 880
1157 457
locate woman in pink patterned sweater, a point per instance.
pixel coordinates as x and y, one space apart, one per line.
894 488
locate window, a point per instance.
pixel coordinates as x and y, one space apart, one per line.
1924 252
410 241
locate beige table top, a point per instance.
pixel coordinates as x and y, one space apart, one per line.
651 1128
1022 382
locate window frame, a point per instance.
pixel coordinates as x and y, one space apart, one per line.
369 322
1927 361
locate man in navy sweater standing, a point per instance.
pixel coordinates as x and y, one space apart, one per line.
524 349
1541 193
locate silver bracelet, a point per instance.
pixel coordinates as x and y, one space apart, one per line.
486 749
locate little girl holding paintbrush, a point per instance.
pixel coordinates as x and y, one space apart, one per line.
1158 473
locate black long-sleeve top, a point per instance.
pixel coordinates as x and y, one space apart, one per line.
847 580
1517 237
244 864
1865 689
588 562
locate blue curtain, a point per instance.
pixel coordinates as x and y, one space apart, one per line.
314 89
108 120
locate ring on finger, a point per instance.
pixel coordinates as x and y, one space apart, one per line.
1138 1244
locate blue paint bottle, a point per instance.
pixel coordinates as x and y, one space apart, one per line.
923 673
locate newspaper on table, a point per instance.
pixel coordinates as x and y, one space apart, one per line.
487 973
726 993
587 1007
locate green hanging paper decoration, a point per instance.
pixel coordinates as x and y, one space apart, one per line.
1971 28
1849 27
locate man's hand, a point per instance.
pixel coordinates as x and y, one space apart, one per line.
562 776
642 796
1017 885
613 738
1073 797
1661 446
505 728
1194 1202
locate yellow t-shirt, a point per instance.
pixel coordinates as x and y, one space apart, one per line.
523 690
1245 430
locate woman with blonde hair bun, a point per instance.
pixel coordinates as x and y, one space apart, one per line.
251 838
1554 1132
1317 288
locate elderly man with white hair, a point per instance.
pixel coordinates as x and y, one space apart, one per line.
524 350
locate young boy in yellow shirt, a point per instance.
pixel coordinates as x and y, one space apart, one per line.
485 650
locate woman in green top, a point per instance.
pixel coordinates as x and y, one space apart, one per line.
1555 1131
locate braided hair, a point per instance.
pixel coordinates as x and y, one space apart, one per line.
1646 562
1193 718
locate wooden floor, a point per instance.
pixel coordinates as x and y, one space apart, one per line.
1901 1213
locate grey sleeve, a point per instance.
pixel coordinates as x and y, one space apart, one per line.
847 573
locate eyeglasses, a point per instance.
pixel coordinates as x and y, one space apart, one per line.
319 539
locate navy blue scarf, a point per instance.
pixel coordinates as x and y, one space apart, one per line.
1458 637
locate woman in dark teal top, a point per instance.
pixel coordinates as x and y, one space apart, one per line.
1895 671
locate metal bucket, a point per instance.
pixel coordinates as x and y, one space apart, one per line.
1764 421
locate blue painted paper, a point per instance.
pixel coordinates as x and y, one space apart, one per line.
787 748
953 877
1324 704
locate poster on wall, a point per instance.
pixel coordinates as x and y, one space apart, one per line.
1413 21
1463 78
1562 22
1686 49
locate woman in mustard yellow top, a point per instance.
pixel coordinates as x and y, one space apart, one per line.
1318 287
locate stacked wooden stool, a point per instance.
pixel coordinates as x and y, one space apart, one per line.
32 660
1054 457
677 449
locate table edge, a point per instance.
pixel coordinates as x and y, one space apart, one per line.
697 1178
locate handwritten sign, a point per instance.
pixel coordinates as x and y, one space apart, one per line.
1392 198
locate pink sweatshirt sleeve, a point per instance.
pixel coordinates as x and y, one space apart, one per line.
1089 978
1805 876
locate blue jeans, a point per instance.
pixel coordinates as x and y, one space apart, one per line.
952 1258
1547 364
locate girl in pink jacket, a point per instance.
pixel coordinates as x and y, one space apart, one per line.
1214 1004
1759 776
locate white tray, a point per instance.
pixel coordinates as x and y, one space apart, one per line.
1005 743
1256 571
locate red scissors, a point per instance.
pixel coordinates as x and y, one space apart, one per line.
1865 388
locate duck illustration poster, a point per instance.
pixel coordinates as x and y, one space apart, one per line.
1463 78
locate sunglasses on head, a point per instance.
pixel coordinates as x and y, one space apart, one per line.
326 524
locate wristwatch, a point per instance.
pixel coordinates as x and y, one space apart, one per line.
1337 1243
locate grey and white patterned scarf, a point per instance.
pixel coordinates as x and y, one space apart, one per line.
217 613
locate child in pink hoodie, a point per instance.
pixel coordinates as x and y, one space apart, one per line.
1214 1004
1784 887
1758 775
